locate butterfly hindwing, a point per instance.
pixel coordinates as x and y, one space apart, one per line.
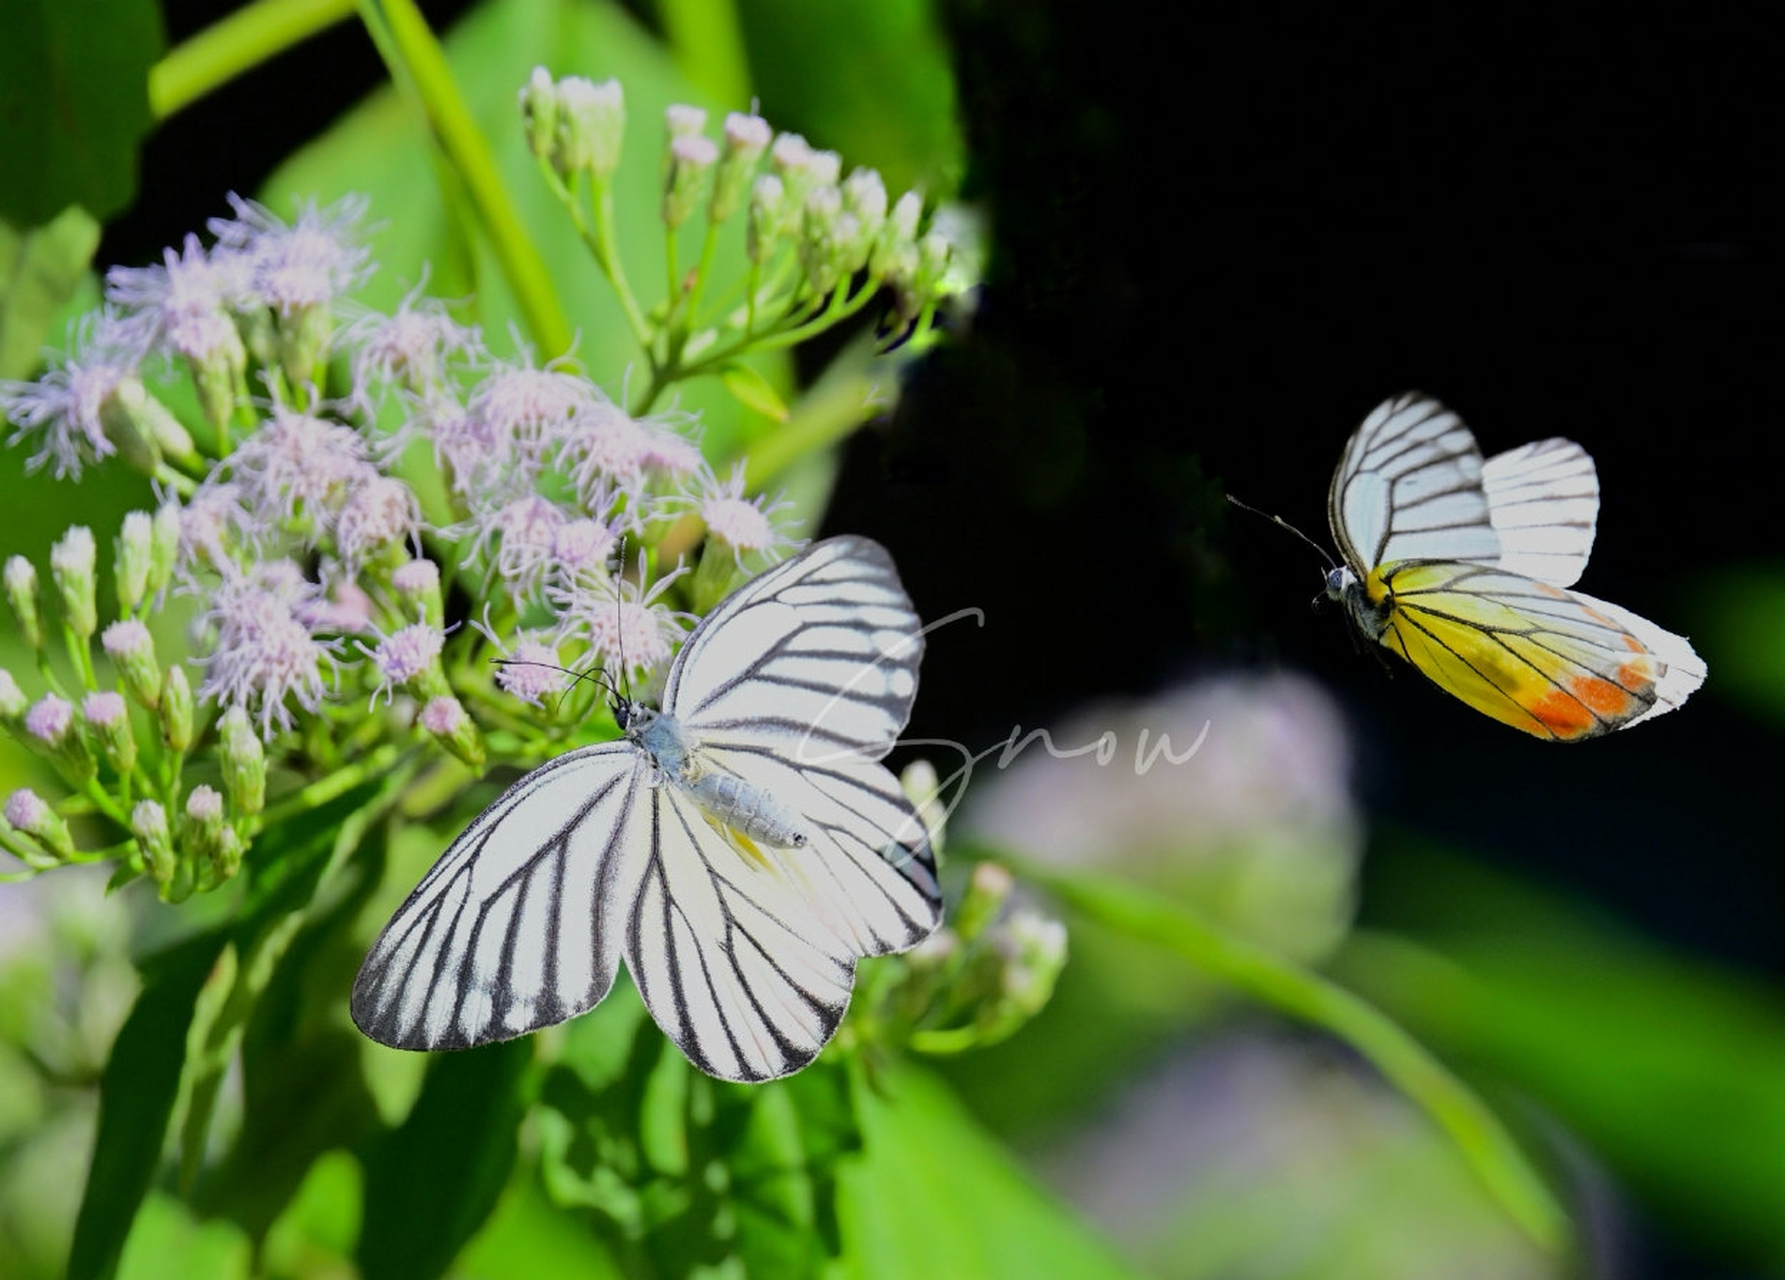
520 923
1543 501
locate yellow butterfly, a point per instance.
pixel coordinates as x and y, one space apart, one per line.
1462 566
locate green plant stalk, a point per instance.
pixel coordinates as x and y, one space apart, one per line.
708 44
243 40
415 58
839 402
1267 976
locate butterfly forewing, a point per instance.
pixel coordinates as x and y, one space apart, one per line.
814 657
520 924
1409 486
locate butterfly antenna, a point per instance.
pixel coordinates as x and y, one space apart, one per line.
1280 521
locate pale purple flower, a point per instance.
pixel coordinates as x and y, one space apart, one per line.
410 349
346 611
631 631
264 655
670 453
405 654
49 719
525 410
518 540
302 265
416 578
298 462
214 521
581 549
180 307
743 524
476 459
61 413
379 512
607 447
530 669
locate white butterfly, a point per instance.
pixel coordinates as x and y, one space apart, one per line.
1462 566
742 847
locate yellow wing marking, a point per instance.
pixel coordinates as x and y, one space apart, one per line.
1529 654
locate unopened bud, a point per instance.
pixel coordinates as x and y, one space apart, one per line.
108 718
684 121
864 195
986 895
591 127
176 709
12 699
132 650
690 159
27 811
21 594
768 215
131 557
746 138
148 823
72 563
446 719
417 584
164 547
50 721
539 112
221 375
924 790
244 762
205 833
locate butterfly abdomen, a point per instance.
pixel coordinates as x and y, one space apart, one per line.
749 810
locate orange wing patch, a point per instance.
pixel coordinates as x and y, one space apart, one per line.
1529 654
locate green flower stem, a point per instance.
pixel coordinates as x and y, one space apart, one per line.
417 62
326 788
235 44
1286 986
607 257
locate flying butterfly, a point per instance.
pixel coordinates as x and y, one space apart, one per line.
1464 568
742 846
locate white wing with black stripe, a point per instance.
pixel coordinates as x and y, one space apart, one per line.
815 657
1543 501
520 923
1409 487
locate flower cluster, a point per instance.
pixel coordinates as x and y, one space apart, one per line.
322 642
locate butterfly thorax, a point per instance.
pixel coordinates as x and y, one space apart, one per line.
1368 606
730 802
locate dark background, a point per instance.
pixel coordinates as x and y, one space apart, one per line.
1215 247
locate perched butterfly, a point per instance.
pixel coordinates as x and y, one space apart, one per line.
1462 567
741 847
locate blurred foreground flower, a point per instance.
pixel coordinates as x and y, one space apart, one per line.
1256 828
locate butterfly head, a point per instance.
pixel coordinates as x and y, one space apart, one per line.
1339 580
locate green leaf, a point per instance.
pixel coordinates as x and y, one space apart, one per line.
753 391
74 103
165 1230
871 80
1670 1069
932 1195
41 272
432 1182
136 1099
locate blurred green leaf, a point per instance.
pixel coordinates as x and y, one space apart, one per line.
529 1237
74 103
1739 627
432 1182
42 270
377 149
1672 1070
316 1232
932 1195
165 1231
871 80
753 391
136 1099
